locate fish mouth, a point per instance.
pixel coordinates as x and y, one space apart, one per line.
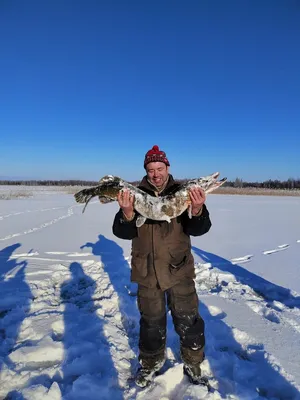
215 175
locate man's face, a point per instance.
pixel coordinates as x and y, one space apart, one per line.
157 173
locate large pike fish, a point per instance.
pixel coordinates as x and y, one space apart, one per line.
162 208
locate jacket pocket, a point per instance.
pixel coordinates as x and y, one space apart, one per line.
139 265
179 261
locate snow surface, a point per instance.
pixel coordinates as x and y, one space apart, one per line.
68 315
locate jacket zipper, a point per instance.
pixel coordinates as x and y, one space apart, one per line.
154 255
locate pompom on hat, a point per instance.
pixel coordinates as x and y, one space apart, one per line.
156 155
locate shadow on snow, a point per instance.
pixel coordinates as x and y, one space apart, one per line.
14 302
268 290
88 368
235 367
118 270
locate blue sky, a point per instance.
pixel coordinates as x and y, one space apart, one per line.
87 87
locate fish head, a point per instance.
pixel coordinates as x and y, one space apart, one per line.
205 181
109 178
208 183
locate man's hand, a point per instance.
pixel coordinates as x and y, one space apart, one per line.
126 201
198 198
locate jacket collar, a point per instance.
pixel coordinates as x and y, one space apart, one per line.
147 187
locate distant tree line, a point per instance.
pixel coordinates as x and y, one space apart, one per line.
269 184
238 183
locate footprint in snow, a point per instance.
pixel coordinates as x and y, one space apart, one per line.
241 260
216 312
56 252
279 248
19 255
271 316
240 353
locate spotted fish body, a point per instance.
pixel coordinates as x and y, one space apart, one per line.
162 208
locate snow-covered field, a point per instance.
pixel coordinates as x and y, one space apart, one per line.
69 320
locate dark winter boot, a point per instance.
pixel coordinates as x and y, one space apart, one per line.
192 360
193 372
149 367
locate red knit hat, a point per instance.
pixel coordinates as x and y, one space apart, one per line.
156 155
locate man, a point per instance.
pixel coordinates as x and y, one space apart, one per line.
163 266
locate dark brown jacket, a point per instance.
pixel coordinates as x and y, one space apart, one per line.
161 251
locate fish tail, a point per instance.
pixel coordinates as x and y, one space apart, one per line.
83 196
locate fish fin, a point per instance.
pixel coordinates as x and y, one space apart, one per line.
189 207
140 221
105 200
